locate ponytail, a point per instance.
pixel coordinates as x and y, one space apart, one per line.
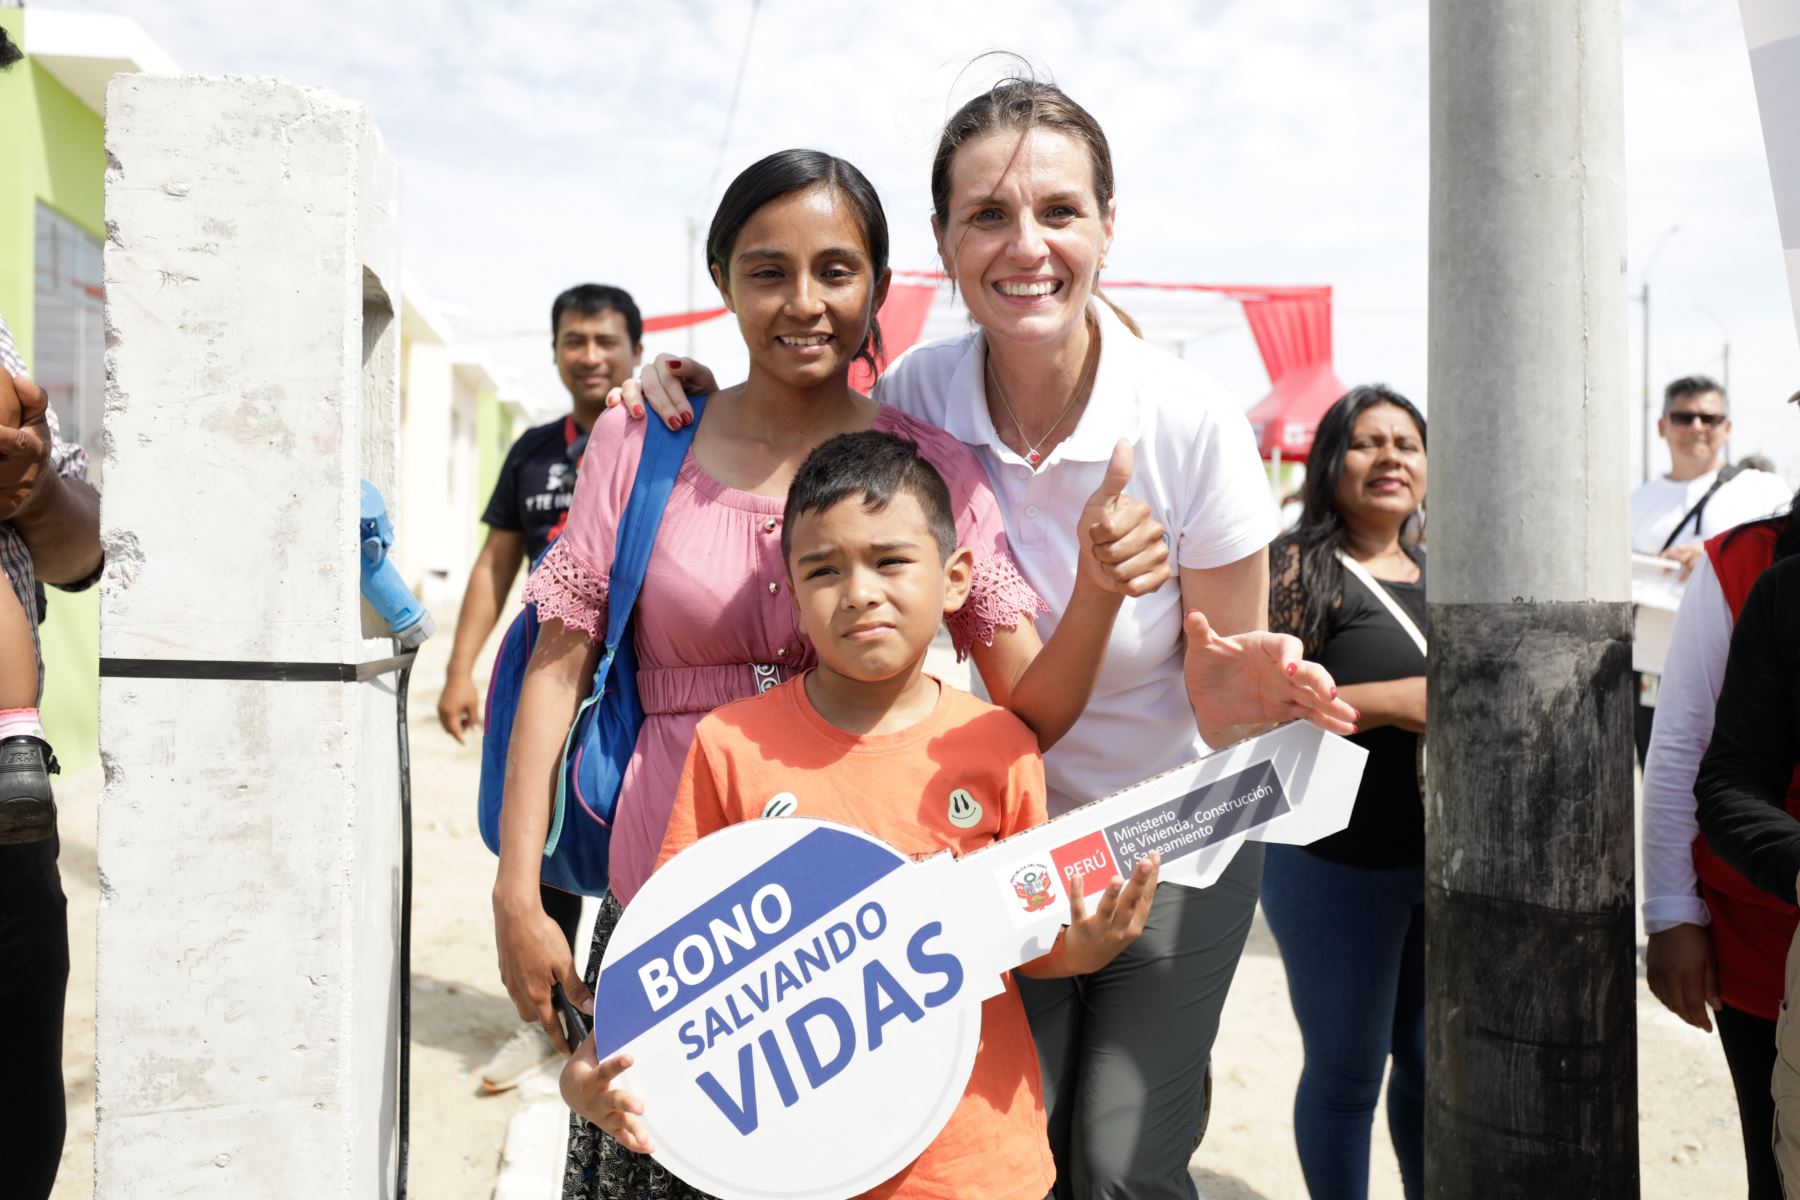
1124 317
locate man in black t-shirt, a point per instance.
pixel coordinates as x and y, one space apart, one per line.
536 485
597 335
598 339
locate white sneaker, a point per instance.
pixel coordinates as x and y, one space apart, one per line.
518 1056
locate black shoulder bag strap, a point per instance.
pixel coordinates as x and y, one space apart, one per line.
1726 475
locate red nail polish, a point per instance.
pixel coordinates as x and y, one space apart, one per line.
674 364
687 418
1292 667
637 410
1334 693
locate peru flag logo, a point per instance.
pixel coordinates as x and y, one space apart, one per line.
1085 856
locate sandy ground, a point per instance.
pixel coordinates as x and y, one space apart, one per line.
1689 1140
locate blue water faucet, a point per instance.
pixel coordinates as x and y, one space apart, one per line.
382 585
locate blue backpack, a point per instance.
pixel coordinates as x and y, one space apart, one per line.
605 729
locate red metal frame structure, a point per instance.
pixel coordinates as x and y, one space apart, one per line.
1291 325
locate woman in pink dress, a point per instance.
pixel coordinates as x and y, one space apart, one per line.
799 252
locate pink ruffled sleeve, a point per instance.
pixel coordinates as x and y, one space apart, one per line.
570 584
999 598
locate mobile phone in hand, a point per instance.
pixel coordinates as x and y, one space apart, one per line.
575 1023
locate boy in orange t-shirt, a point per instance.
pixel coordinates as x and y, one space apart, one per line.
869 740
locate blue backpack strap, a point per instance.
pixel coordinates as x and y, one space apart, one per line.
664 450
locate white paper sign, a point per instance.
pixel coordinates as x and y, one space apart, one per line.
1656 588
803 1003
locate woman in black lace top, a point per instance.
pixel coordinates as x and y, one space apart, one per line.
1348 911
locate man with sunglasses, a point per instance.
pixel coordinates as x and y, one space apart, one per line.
1673 514
1700 496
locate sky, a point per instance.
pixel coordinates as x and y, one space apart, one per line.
548 142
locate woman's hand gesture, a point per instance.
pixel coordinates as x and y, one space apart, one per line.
1256 678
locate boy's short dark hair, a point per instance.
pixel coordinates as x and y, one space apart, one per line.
592 299
9 51
1693 385
876 466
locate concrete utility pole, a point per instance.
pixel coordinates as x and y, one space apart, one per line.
1530 1023
248 983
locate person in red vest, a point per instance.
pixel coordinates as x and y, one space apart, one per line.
1748 793
1716 941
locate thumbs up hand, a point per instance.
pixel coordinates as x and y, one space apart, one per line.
1123 549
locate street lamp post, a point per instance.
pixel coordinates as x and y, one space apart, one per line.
1724 361
1644 299
1724 346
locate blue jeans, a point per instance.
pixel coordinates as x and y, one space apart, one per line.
1353 942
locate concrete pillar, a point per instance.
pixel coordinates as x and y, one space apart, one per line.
1530 1042
250 827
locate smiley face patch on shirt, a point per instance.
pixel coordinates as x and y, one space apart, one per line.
963 810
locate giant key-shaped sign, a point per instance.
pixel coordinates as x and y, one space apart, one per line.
802 1002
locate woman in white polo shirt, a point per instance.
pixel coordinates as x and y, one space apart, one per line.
1022 188
1022 193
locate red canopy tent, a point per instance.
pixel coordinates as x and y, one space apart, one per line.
901 318
1287 418
1291 325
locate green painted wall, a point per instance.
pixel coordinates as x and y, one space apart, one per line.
54 149
493 438
18 131
70 636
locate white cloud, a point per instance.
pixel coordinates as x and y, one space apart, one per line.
553 141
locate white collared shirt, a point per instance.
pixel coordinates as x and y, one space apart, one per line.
1198 470
1657 504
